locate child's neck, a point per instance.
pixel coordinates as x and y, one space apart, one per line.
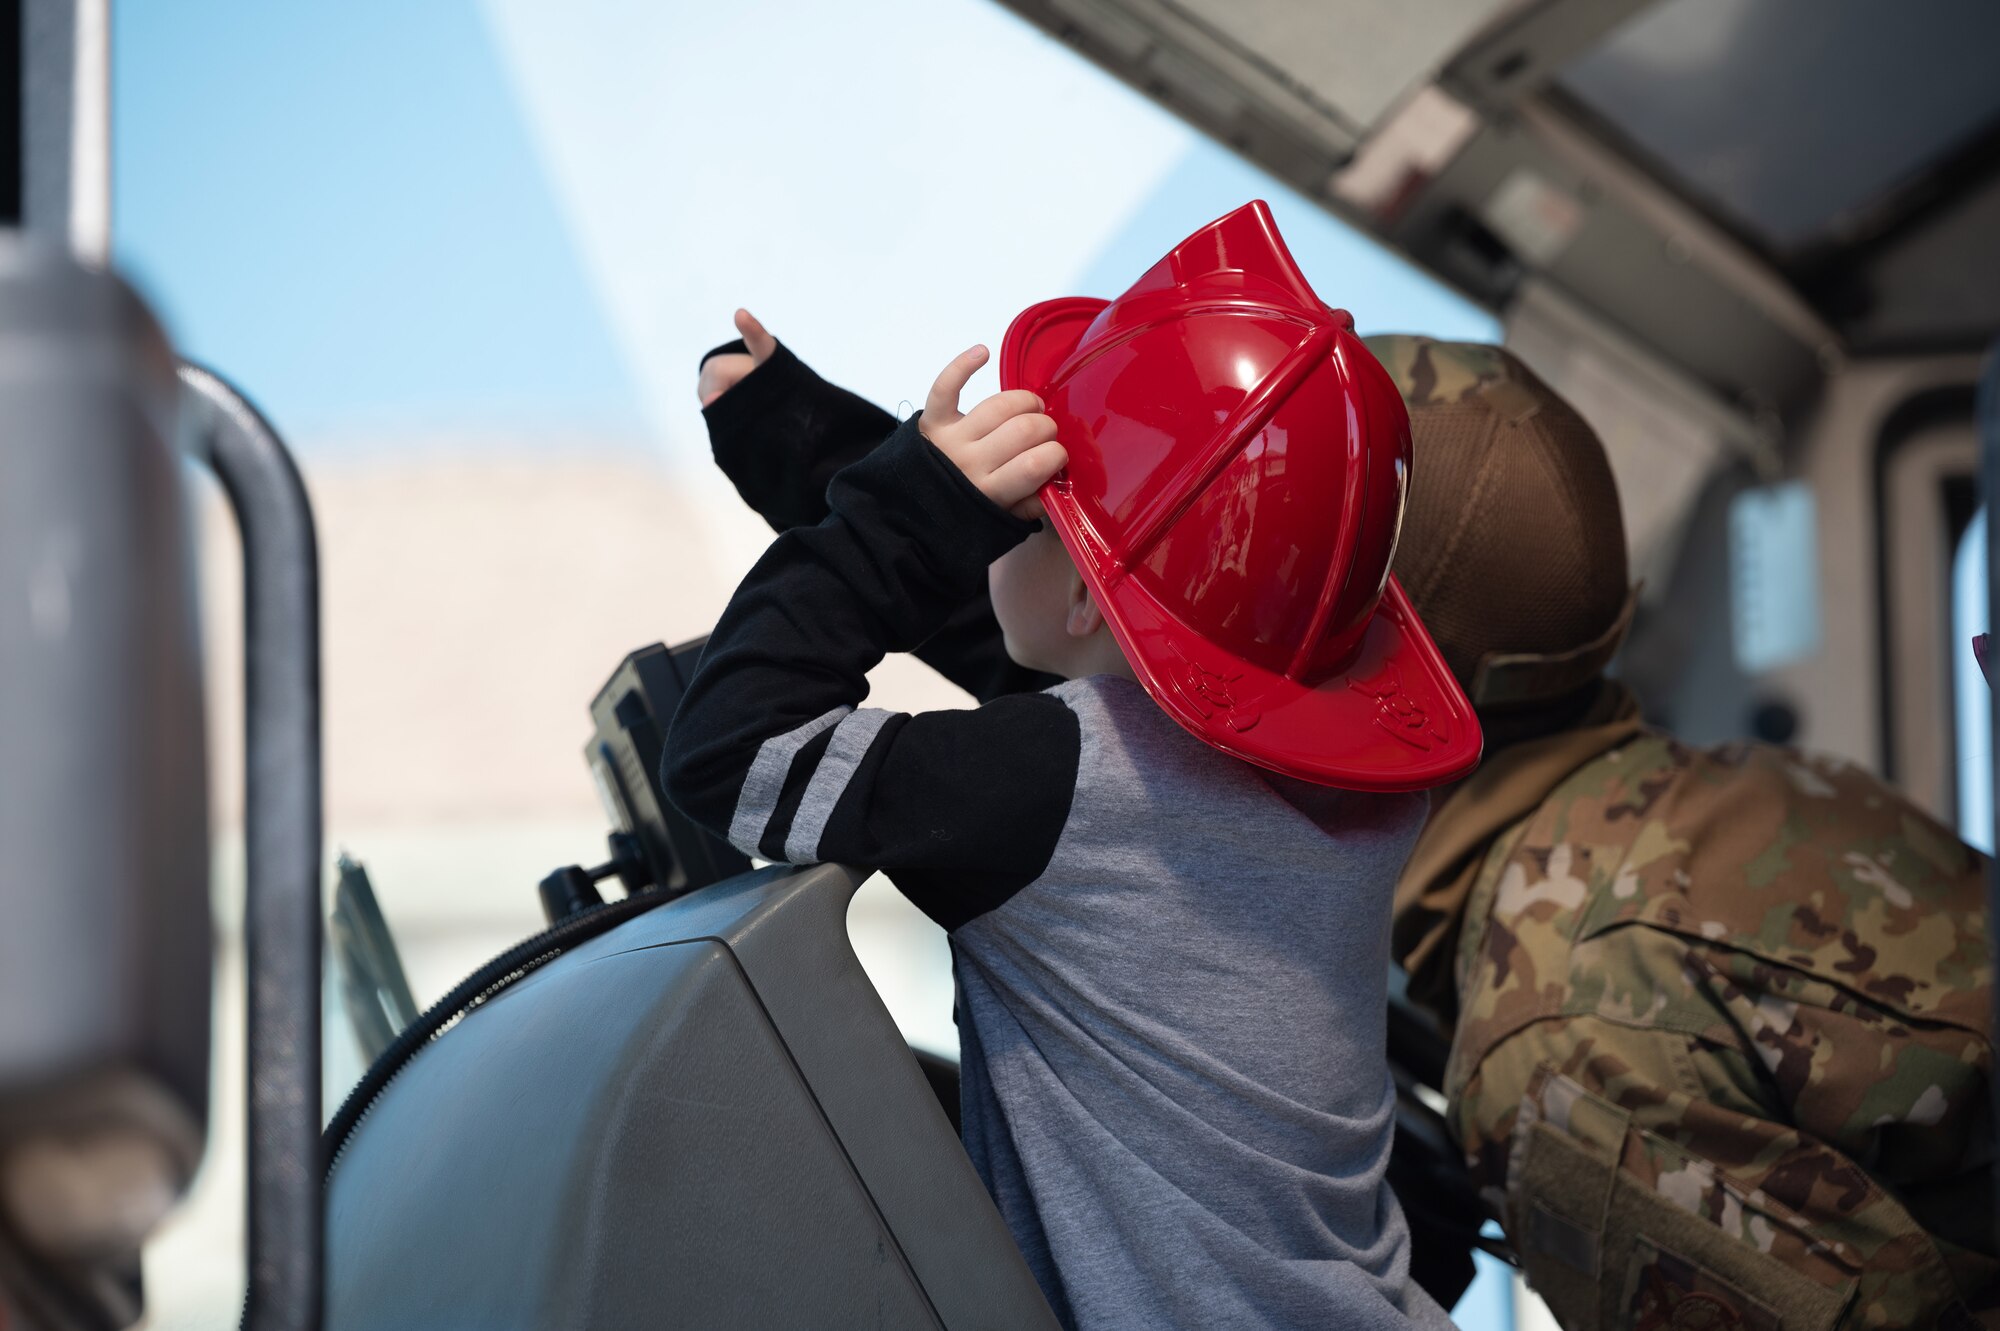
1099 655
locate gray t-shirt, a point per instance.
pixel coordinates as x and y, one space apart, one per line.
1175 1079
1172 967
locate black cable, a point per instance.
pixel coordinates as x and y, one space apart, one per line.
496 975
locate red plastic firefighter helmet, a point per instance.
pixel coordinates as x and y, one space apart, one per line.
1237 463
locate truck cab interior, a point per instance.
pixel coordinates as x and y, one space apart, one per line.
1752 241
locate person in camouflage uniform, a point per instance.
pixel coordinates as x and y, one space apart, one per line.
1721 1017
1721 1031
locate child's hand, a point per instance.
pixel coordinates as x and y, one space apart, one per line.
721 373
1005 445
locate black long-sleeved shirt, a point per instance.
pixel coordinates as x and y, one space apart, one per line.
780 435
959 807
1169 964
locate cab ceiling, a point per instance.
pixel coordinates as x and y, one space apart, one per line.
1294 85
1747 191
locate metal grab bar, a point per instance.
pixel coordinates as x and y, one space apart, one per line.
281 817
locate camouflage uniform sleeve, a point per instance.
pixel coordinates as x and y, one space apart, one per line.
1723 1046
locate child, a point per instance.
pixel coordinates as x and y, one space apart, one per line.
1170 960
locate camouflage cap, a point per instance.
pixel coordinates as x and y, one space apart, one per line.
1513 548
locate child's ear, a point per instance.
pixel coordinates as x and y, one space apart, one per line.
1084 616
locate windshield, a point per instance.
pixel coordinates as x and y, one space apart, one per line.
465 257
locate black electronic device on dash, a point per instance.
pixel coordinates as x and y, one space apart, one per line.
654 847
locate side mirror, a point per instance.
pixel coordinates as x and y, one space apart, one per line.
104 908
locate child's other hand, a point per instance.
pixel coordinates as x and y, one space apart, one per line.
1005 445
721 373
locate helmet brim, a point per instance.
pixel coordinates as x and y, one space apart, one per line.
1392 720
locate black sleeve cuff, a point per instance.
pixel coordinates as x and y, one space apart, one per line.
782 432
918 495
780 383
737 348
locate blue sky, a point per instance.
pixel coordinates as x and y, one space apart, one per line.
338 205
517 219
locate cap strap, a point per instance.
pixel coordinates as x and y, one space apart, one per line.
1506 679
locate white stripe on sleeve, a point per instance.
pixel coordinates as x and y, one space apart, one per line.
843 755
765 781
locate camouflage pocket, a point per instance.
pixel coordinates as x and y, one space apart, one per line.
1666 1292
1613 1242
